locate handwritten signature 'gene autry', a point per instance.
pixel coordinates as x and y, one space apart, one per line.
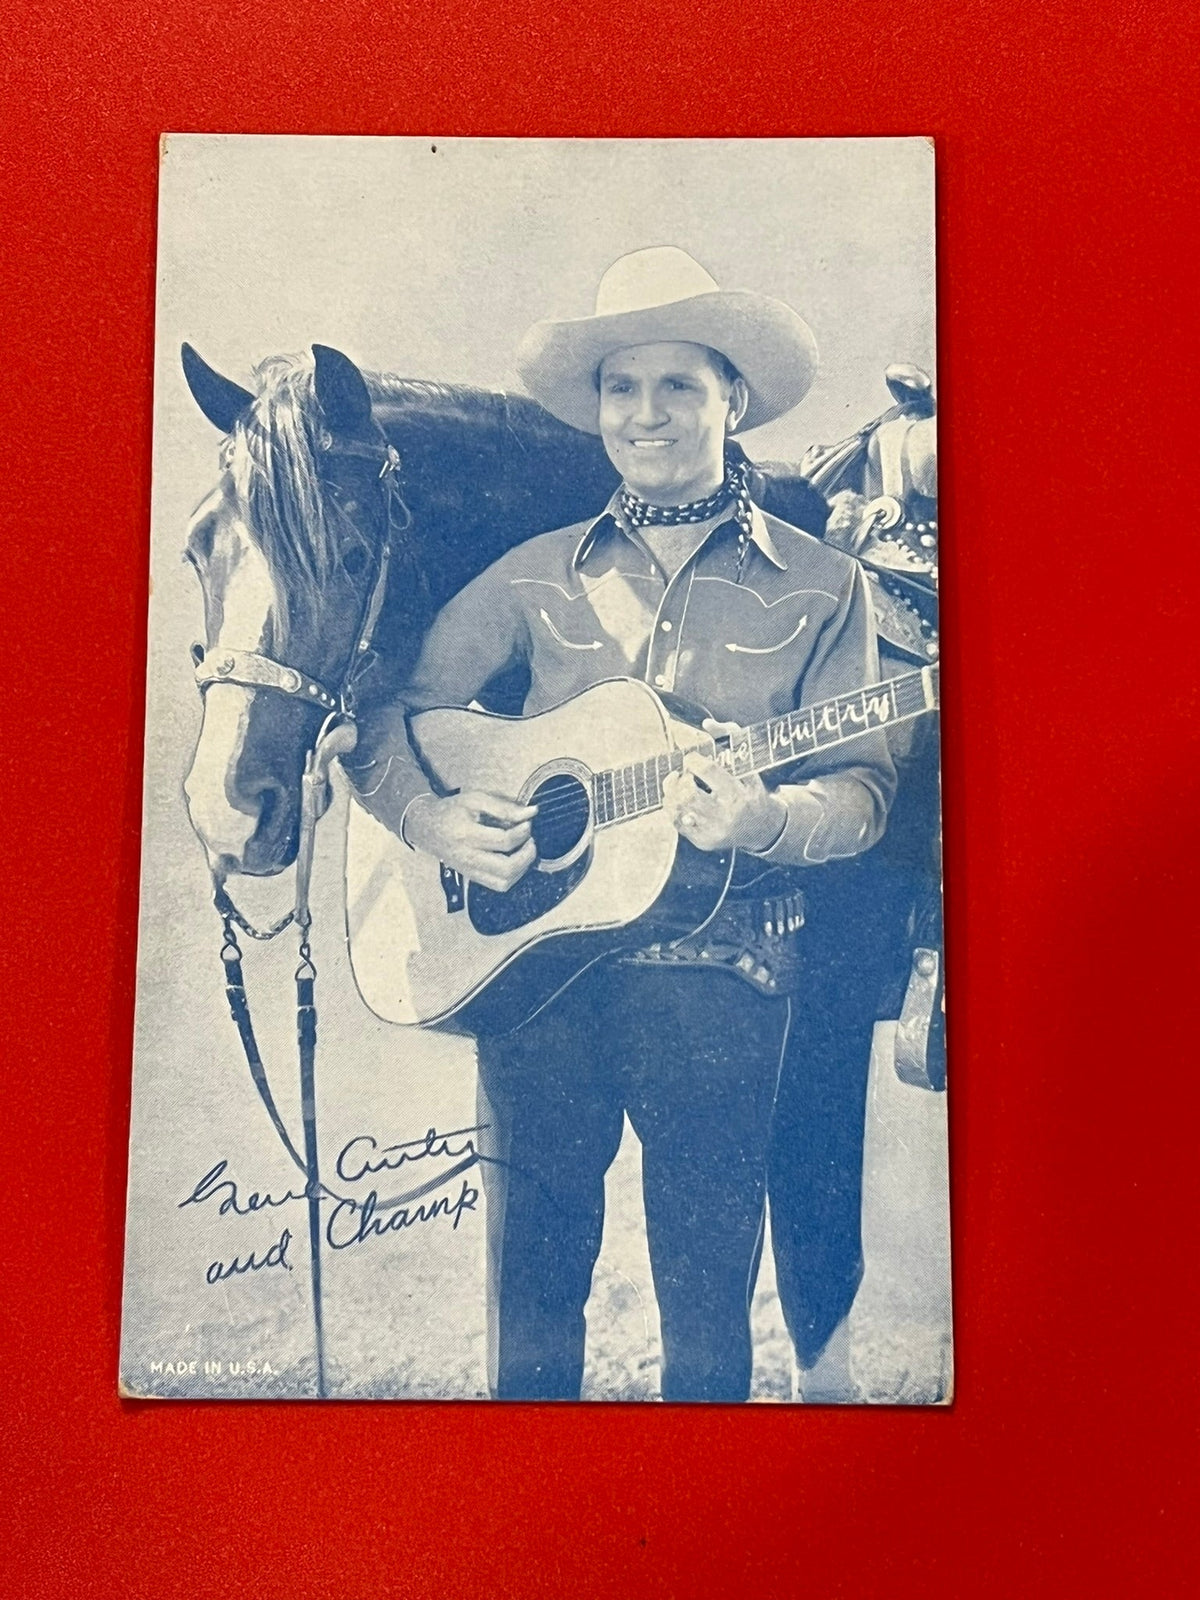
353 1219
363 1156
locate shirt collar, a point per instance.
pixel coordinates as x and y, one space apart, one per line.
610 517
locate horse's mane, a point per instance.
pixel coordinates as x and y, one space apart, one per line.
272 457
388 389
451 407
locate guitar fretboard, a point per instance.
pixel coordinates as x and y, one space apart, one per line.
631 790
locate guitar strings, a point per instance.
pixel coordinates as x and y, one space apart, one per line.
560 804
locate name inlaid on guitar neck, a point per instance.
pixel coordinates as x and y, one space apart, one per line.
636 788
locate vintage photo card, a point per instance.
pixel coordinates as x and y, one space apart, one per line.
540 977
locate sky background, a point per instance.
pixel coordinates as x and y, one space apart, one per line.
430 258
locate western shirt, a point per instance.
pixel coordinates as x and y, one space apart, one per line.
744 634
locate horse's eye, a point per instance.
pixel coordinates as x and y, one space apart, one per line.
354 560
197 654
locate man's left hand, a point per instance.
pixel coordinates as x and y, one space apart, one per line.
714 810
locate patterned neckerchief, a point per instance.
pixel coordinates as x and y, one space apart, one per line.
733 493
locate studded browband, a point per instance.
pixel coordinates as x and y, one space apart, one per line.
250 670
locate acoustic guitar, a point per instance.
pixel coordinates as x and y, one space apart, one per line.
611 871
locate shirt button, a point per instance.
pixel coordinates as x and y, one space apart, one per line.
665 626
660 680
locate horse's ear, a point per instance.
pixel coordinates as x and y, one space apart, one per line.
342 393
221 400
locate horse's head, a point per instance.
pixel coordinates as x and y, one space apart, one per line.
291 551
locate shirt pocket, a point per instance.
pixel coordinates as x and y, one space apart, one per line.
755 628
737 649
557 619
561 638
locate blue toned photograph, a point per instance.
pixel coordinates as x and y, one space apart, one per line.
541 970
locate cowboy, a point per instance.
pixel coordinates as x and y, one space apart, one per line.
684 582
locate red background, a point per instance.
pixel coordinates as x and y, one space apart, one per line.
1065 138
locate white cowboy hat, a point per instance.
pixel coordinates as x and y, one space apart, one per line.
662 295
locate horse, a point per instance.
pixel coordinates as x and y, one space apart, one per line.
325 468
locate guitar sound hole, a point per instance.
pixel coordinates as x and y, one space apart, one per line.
564 809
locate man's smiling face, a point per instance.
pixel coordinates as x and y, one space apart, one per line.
664 411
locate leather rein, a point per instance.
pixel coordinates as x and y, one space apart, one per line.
252 670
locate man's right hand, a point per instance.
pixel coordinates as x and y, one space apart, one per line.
484 837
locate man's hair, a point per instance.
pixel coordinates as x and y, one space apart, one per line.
721 365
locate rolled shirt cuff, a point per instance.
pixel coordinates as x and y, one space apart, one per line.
404 839
827 820
390 795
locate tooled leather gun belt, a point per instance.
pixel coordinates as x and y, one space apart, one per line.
755 939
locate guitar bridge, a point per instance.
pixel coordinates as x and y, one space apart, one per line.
453 888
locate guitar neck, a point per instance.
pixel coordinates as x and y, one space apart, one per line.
629 791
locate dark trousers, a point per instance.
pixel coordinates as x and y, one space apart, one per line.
693 1057
855 942
815 1171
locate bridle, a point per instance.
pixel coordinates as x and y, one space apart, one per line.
250 669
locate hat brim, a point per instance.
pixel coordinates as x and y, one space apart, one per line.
771 346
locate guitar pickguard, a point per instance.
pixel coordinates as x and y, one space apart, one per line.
492 912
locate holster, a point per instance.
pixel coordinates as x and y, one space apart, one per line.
755 938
